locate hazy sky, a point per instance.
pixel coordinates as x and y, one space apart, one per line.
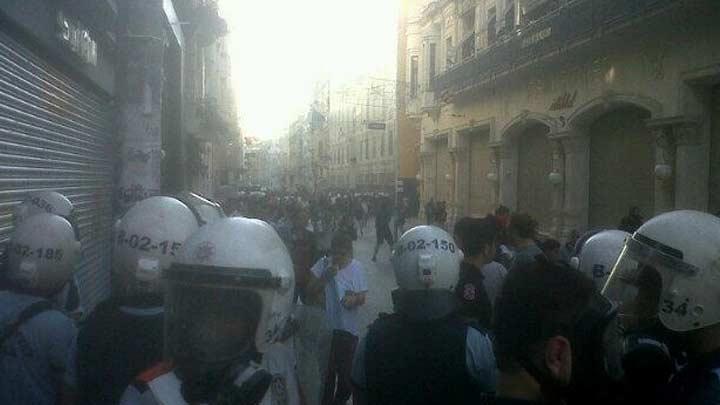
280 48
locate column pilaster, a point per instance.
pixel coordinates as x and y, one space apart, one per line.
574 198
140 102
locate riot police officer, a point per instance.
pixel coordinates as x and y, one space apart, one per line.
424 353
35 339
599 254
667 283
43 201
68 298
207 211
228 297
124 335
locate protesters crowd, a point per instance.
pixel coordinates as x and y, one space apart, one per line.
257 300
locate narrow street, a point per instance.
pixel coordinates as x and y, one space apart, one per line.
381 280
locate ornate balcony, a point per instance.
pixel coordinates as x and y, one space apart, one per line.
571 24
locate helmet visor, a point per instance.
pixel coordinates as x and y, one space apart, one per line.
208 326
640 279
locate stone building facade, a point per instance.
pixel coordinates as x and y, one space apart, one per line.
361 129
570 111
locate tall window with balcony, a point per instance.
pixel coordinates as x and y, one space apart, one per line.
510 16
413 76
491 27
432 56
468 44
449 52
539 9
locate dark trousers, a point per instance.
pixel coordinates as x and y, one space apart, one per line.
337 381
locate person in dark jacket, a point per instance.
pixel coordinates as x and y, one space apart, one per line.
424 353
124 335
632 221
549 329
480 277
383 235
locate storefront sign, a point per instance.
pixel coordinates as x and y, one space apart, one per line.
376 125
536 37
564 101
77 38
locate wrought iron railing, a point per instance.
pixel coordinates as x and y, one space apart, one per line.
577 20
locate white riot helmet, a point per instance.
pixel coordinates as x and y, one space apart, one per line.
599 254
147 238
230 290
670 270
42 254
206 211
43 201
426 262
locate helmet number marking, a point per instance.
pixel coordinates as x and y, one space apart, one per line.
40 253
671 307
146 244
598 271
422 244
133 241
42 204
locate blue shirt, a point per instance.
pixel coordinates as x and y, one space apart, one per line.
33 362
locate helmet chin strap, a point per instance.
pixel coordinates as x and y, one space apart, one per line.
243 382
204 385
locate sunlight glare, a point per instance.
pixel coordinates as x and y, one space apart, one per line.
280 49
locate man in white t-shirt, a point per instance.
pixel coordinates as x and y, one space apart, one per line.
343 280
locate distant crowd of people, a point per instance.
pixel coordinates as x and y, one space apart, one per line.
262 306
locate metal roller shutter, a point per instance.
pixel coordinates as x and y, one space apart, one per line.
479 188
56 134
534 164
442 169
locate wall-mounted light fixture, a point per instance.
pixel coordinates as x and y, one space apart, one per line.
555 178
663 172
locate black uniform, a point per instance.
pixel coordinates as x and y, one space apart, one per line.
418 362
470 290
116 344
698 383
382 226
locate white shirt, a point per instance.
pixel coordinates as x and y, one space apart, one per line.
494 275
351 278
